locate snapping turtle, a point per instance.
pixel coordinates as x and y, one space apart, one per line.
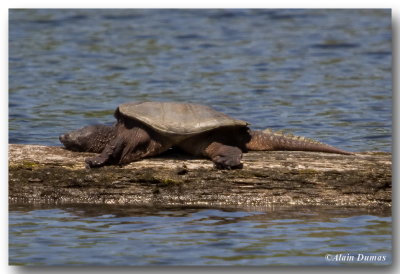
146 129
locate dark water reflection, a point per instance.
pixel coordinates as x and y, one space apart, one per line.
107 235
324 74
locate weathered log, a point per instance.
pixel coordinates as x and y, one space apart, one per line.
44 174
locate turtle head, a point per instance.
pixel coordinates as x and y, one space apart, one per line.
87 139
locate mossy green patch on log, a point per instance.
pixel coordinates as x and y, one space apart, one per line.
43 174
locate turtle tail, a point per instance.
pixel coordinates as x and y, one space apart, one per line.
269 140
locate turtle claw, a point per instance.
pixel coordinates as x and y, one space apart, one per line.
93 162
227 167
225 162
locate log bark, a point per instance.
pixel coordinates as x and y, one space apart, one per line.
53 175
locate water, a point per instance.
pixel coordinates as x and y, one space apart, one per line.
95 235
323 74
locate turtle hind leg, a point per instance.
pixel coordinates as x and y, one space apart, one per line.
224 156
224 146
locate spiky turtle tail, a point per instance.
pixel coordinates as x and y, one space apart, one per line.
268 140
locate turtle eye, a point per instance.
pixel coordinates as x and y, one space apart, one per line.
63 138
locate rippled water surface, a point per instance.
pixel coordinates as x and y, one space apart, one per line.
135 236
324 74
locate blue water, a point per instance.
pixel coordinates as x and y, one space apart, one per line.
96 235
324 74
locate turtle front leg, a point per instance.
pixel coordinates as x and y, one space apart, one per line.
224 156
131 144
110 154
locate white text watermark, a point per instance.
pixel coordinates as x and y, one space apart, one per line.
359 257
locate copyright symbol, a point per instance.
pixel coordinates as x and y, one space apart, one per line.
328 257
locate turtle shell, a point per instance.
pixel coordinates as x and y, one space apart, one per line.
178 118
